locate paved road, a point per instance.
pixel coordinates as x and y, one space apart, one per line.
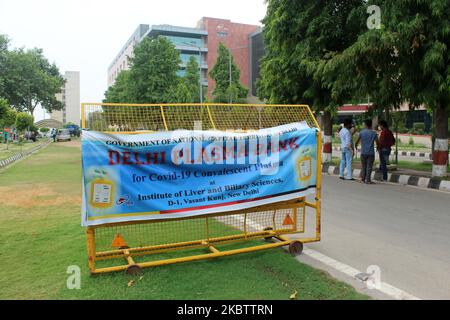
403 230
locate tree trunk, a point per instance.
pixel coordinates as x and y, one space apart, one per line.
387 116
440 150
327 136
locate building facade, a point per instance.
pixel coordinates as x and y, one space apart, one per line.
201 42
190 42
70 97
256 53
121 61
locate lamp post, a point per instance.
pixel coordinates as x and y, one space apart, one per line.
199 67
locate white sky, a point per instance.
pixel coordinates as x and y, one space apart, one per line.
85 35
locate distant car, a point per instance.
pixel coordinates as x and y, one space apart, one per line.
73 129
63 135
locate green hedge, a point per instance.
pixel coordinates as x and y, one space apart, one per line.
448 128
336 127
418 128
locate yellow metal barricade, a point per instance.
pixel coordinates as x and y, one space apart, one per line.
160 242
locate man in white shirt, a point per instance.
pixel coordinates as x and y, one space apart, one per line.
347 150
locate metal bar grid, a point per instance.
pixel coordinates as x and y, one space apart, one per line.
194 233
134 118
151 238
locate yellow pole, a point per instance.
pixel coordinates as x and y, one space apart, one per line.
83 117
163 117
318 184
196 257
90 233
210 117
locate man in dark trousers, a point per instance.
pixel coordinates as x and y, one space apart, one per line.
347 150
54 132
387 140
368 137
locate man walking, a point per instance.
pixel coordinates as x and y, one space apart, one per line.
367 137
387 140
347 150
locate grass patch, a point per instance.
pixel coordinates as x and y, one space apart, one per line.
41 236
14 148
418 147
419 166
402 164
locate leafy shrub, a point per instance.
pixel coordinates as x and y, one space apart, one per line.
405 130
33 128
23 121
336 127
401 127
411 141
44 130
419 127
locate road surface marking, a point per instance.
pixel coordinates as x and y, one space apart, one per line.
385 288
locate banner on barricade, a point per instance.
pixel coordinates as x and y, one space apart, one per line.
163 175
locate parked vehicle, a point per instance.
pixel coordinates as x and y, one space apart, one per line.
63 135
73 129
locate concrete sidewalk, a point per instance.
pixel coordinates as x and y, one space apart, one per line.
413 178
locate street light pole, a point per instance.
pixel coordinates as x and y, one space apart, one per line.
200 72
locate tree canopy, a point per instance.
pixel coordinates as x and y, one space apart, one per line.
7 114
28 79
23 121
153 76
224 91
120 91
406 60
325 53
299 37
192 79
153 72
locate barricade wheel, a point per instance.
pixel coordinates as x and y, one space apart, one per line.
268 229
134 269
295 248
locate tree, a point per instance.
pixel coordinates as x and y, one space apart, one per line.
181 93
152 77
3 107
4 41
120 91
300 36
23 121
7 114
29 80
192 79
224 91
406 60
153 73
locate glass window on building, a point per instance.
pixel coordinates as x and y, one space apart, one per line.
186 56
184 41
